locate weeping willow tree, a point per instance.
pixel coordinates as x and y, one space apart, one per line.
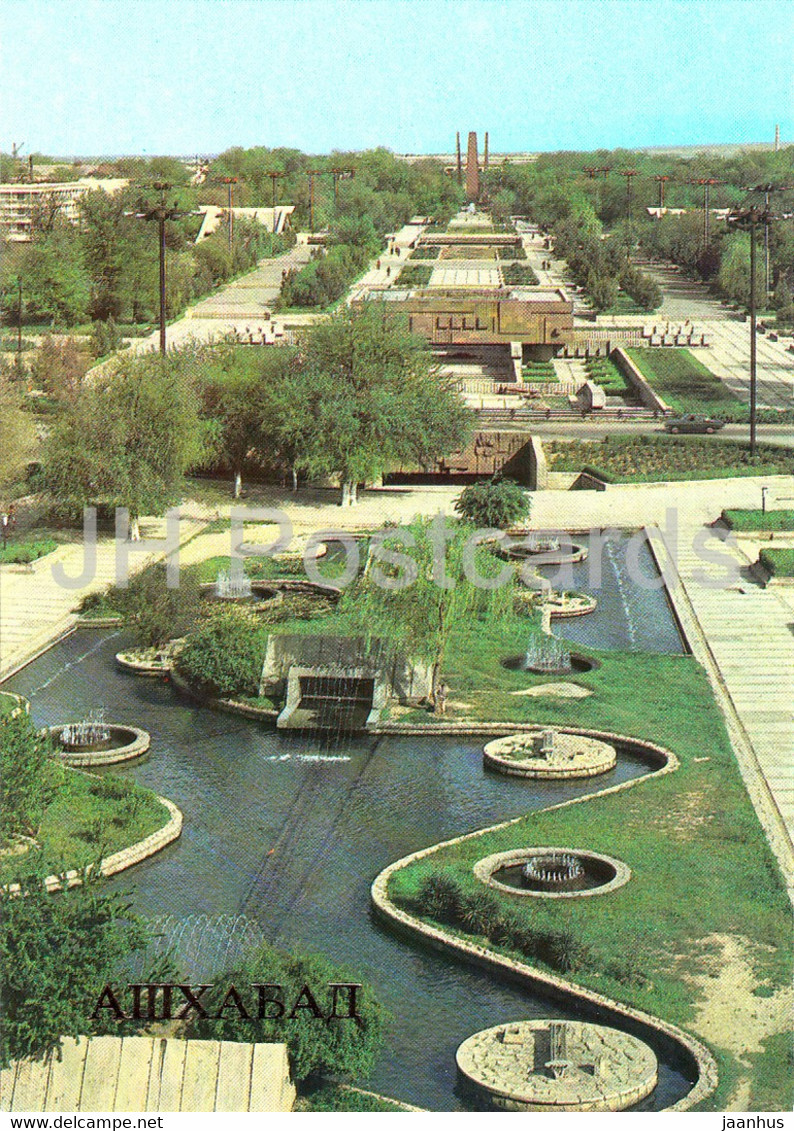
423 580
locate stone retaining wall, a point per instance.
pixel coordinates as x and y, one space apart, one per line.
698 1056
638 381
124 858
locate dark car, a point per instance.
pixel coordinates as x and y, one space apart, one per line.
693 423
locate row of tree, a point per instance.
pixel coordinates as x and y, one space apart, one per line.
584 188
359 395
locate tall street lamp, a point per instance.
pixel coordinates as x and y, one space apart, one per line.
230 182
160 213
747 219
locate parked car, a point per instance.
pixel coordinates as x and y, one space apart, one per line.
693 423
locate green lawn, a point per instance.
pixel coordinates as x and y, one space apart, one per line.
8 703
686 384
647 459
415 275
88 817
757 519
779 562
700 863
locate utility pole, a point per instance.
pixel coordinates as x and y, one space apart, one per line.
662 179
767 190
706 183
340 175
275 177
312 173
459 162
629 174
748 218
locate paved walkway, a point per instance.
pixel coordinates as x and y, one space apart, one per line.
35 609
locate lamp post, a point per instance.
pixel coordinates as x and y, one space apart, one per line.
160 212
629 174
767 190
662 179
747 219
230 182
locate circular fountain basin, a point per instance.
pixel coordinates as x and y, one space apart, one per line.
124 744
579 664
565 554
548 1065
530 872
261 594
571 756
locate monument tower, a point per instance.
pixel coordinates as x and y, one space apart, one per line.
472 169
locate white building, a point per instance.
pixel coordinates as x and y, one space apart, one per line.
19 202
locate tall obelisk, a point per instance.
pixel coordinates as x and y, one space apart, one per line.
472 169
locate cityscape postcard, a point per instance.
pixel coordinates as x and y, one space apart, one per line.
396 561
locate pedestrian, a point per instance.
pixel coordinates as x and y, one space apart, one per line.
4 525
388 272
397 252
12 516
378 265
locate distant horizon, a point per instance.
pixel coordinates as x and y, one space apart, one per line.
668 147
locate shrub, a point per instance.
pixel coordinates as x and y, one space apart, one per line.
24 791
780 563
24 552
156 612
224 655
316 1047
441 898
496 503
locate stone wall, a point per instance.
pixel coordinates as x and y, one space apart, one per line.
402 679
638 382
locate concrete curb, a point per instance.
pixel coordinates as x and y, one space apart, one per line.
698 1055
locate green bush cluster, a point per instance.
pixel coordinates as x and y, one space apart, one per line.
779 562
415 275
442 898
641 288
496 503
25 779
642 459
223 657
516 252
425 251
519 275
21 553
604 372
758 519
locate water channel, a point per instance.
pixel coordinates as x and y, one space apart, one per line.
290 832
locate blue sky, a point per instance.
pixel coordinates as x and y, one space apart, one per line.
184 76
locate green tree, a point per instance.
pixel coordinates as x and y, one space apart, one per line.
54 280
59 368
17 434
24 784
224 655
495 503
431 596
379 397
317 1045
127 441
156 612
57 952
